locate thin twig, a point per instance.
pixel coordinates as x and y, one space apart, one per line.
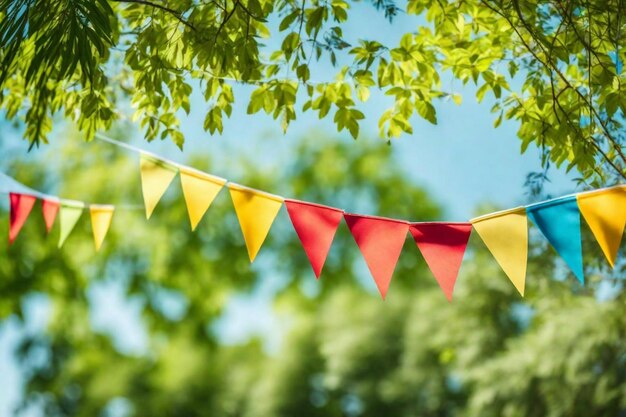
169 10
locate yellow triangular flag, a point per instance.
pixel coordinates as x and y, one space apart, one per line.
69 213
200 190
100 221
506 236
605 213
156 176
256 212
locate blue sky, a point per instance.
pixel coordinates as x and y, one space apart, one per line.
463 161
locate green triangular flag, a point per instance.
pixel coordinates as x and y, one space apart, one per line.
69 213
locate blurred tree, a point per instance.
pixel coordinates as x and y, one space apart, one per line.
182 372
557 352
489 353
553 66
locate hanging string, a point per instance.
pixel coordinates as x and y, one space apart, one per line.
23 188
135 149
132 148
18 187
139 150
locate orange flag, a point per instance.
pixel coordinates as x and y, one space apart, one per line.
315 225
50 209
443 246
380 240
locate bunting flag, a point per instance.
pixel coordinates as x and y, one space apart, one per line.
315 226
605 213
380 240
69 214
156 176
559 221
443 246
101 217
49 208
20 206
199 190
506 236
256 212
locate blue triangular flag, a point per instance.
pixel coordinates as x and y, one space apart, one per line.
559 221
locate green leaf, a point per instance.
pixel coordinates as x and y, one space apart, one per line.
363 93
289 19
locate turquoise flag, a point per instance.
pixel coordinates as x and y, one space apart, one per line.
559 221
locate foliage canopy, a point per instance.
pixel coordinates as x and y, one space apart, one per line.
553 66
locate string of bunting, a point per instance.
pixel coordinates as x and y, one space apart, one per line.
380 239
21 204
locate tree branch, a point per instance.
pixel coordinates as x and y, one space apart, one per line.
550 66
249 13
169 10
225 20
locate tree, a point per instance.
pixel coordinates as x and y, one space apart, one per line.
553 66
489 353
84 370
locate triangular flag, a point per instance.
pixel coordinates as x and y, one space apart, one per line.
605 213
380 240
316 226
49 208
506 236
101 217
443 246
559 221
69 213
256 212
20 206
156 176
200 190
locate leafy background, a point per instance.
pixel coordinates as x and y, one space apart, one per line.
149 326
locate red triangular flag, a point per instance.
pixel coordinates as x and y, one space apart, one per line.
316 226
380 240
443 246
21 205
50 208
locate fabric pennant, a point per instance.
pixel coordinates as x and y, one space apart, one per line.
50 209
256 212
443 246
315 226
559 221
156 176
605 213
101 217
506 236
200 190
69 213
380 240
20 205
